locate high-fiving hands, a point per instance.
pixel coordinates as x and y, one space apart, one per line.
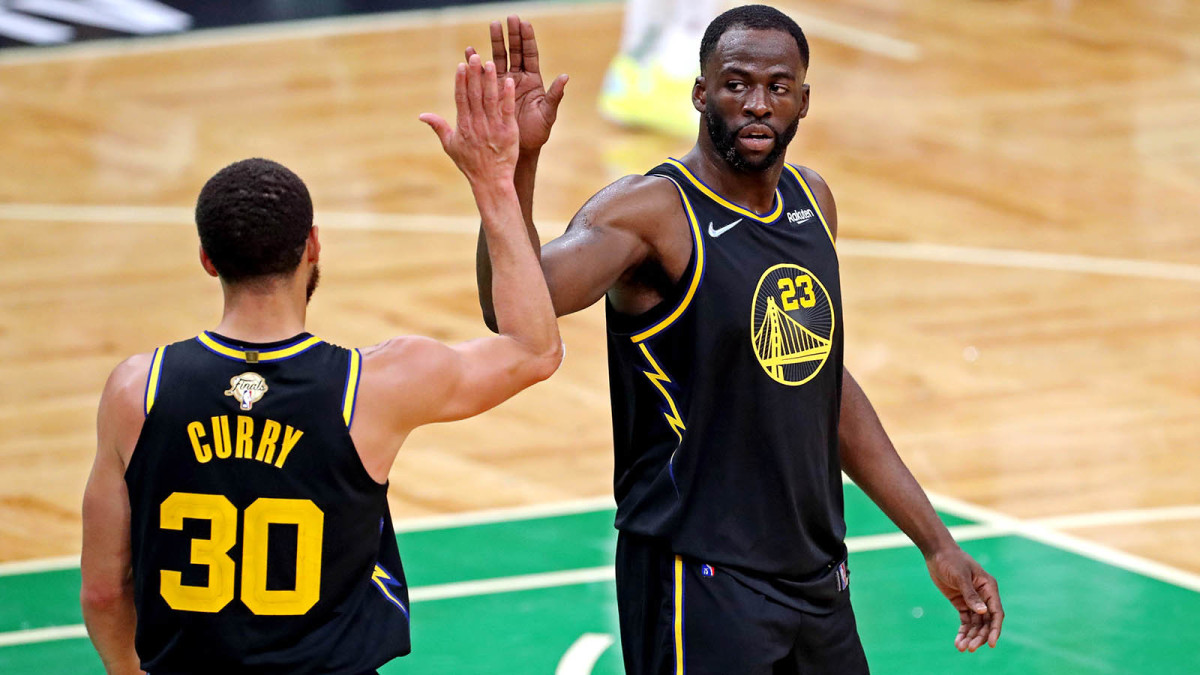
484 142
536 106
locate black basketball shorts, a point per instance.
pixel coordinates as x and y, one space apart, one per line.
683 617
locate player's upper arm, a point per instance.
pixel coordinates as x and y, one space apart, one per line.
612 234
412 381
106 560
824 197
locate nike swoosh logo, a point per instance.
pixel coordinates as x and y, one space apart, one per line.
716 233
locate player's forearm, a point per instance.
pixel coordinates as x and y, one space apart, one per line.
520 300
111 623
870 459
523 180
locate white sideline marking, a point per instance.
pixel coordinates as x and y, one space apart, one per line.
439 224
65 562
857 38
505 514
459 589
581 658
991 524
25 637
524 582
1057 262
1037 531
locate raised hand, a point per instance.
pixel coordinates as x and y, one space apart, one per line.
975 595
536 106
484 142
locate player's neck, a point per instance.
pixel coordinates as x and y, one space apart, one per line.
753 190
261 315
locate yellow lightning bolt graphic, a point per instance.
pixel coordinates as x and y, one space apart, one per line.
379 577
659 378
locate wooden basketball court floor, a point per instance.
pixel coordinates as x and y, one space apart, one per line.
1018 185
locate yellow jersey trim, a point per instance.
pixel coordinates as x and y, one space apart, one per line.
351 394
708 192
679 659
152 378
812 200
251 356
697 272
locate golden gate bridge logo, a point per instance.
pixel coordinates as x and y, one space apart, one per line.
791 324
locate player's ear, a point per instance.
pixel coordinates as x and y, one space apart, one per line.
207 263
312 247
699 94
804 100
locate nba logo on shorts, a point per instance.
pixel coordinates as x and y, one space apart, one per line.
707 570
843 577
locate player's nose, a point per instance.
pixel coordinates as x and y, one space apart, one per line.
755 102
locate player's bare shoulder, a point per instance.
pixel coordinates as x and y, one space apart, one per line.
123 405
126 385
635 204
823 195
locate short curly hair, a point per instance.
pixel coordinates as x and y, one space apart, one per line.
253 218
755 17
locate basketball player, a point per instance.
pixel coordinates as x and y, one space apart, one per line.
236 517
648 81
733 416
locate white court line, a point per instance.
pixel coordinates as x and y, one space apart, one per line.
581 658
857 38
25 637
992 524
1057 262
1039 532
505 514
459 589
814 26
524 582
440 224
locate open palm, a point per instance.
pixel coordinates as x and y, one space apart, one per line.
536 106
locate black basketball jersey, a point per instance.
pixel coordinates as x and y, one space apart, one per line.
260 542
726 397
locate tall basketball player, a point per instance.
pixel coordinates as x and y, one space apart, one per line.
236 517
733 416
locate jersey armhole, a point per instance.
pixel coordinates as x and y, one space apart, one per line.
697 269
152 379
812 199
350 394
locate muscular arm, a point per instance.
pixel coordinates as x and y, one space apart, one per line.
871 461
106 595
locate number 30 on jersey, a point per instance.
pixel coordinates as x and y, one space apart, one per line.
214 554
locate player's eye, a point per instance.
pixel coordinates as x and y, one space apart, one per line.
779 89
735 86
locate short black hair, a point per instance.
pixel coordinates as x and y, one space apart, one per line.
754 17
254 217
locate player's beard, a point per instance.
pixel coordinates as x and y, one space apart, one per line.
314 278
724 139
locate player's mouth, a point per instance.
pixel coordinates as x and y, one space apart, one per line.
756 137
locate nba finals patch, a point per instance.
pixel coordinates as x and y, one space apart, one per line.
791 324
247 389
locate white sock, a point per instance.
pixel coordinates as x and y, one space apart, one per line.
643 22
677 51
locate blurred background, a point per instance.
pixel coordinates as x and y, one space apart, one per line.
1018 189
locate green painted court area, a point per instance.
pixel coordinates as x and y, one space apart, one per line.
514 597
